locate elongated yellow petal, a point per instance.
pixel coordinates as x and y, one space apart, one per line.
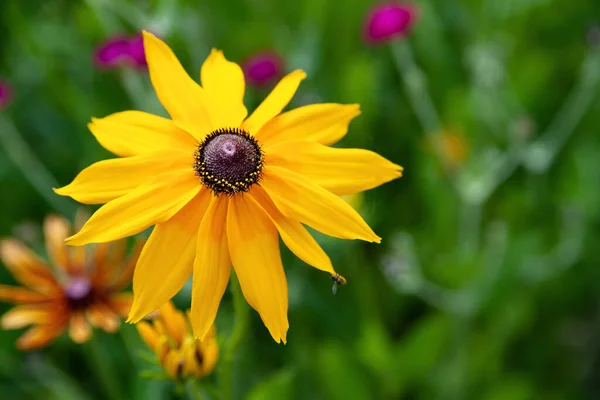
24 315
293 234
183 98
56 230
26 267
275 101
148 334
108 179
167 258
314 206
341 171
130 133
223 83
212 267
154 202
79 329
17 294
254 250
321 123
39 336
174 322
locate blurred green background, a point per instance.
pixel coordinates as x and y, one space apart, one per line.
485 285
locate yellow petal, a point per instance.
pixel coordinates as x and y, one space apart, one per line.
174 322
26 267
341 171
314 206
101 316
153 202
21 316
148 334
293 234
120 303
212 267
321 123
167 259
56 230
39 336
108 179
14 294
275 101
183 98
254 250
209 349
223 83
131 133
79 330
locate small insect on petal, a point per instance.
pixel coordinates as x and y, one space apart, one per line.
337 280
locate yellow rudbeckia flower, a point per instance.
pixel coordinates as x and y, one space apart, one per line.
219 187
170 338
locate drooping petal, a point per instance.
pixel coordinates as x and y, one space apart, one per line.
223 83
39 336
173 321
254 250
131 133
275 102
148 334
341 171
167 258
56 230
321 123
314 206
153 202
293 234
120 303
212 267
79 329
183 98
108 179
17 295
102 316
26 267
21 316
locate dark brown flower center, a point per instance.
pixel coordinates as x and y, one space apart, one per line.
229 161
79 292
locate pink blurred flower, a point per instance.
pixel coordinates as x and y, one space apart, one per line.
6 94
388 21
121 50
263 68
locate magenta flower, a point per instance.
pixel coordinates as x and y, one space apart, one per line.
5 94
121 50
389 21
264 68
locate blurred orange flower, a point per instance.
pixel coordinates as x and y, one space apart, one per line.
171 338
80 288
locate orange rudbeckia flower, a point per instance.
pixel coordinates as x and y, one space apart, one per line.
78 290
221 187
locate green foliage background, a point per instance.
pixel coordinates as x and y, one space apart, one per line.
486 283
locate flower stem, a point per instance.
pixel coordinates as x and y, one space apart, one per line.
97 359
17 150
241 312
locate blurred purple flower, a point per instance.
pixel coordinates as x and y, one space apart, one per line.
263 68
5 94
120 50
388 21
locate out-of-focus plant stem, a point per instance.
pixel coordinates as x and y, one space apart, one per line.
101 366
17 150
240 326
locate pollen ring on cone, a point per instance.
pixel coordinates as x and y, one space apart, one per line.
229 161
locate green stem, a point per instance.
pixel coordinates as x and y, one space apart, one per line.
97 360
17 150
241 312
193 390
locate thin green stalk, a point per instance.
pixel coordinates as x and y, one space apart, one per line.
241 312
97 359
19 152
193 390
416 86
